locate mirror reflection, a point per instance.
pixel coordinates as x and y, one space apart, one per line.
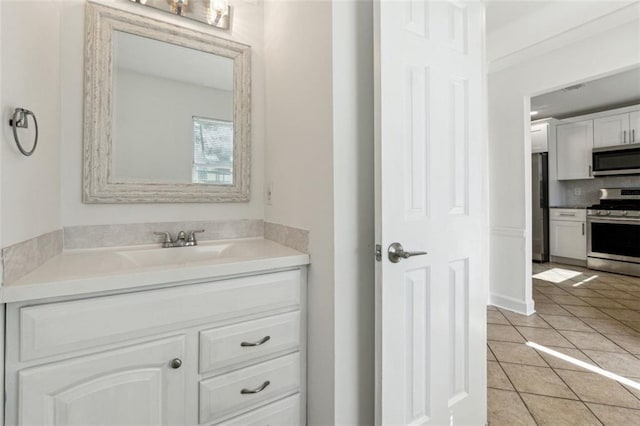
172 113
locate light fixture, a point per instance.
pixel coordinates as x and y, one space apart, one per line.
218 13
532 113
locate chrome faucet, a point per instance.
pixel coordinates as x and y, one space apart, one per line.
182 240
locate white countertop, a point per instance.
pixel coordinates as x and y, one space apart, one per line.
78 272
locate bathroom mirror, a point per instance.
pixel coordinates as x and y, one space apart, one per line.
167 112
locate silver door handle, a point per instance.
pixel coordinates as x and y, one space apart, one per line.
397 253
262 341
256 390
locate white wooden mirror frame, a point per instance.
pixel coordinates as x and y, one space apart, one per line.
98 187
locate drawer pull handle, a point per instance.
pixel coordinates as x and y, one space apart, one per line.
568 214
262 341
257 390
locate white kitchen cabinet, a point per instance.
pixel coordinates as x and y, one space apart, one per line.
574 145
611 130
179 355
634 126
539 137
131 386
567 234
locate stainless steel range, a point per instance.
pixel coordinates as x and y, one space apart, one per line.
613 232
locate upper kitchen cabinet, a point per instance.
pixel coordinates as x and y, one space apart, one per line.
539 137
634 126
574 145
611 130
616 129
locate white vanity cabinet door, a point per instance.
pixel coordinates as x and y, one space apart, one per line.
567 233
574 145
131 386
634 126
611 130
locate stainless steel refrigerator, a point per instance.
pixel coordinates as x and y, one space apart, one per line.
540 206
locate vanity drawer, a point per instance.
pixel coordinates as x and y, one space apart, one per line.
248 341
221 397
58 328
285 412
572 215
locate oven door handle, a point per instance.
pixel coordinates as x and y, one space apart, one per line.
613 220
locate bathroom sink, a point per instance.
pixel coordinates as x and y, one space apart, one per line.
182 255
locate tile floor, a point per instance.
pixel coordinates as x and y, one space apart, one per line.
582 316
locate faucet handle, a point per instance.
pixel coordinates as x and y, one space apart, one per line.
167 238
192 236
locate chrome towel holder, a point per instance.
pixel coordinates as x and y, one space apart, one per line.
20 119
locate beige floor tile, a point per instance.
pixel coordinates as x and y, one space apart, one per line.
602 302
609 327
587 312
551 308
544 336
495 317
616 294
562 322
505 408
594 341
633 324
558 362
568 300
503 333
556 411
538 380
551 290
491 308
496 378
625 365
541 298
592 387
582 292
516 353
490 356
628 342
633 304
526 320
614 415
623 314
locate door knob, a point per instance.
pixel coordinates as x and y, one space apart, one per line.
396 253
176 363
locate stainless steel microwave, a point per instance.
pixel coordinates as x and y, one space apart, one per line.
616 160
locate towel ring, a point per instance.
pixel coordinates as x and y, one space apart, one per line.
20 120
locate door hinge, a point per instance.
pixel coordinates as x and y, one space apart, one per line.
378 252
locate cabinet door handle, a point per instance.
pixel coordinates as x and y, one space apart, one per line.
262 387
624 136
262 341
582 228
633 135
589 170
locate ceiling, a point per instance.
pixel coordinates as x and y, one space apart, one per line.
617 90
502 12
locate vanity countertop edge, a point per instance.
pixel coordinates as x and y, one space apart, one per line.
78 272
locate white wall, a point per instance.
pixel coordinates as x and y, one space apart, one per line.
30 79
153 125
248 29
509 143
299 163
354 230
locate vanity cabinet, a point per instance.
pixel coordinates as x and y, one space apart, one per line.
574 145
567 234
229 351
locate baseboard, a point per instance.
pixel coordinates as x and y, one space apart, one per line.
509 303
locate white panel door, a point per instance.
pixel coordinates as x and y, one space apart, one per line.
132 386
574 146
430 172
611 130
634 126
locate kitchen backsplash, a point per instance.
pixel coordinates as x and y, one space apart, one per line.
586 192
